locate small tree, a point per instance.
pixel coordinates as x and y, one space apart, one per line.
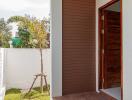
38 30
35 30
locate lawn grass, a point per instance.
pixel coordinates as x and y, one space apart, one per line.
16 94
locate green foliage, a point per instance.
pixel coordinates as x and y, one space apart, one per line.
25 36
5 38
16 94
1 39
38 88
5 34
15 19
4 27
38 30
13 90
32 31
35 95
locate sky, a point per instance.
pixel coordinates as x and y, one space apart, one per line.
37 8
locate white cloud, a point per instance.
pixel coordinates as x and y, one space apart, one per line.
38 8
38 1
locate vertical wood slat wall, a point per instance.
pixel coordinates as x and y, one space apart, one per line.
78 46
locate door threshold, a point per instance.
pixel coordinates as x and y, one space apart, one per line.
113 92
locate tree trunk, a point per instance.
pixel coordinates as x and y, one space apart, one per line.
41 81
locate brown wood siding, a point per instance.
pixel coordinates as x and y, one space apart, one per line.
78 46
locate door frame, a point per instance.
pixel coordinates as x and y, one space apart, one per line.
99 42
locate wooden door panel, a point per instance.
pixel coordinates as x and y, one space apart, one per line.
112 42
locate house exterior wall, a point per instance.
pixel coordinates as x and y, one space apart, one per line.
127 49
78 54
56 47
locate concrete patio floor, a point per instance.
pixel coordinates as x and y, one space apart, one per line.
86 96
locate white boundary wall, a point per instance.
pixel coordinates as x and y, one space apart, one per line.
22 64
2 88
1 67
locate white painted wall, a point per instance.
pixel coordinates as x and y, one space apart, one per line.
56 31
2 88
1 67
100 3
22 64
127 49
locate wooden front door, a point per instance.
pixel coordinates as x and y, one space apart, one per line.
111 49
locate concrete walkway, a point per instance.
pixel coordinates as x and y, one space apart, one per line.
86 96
